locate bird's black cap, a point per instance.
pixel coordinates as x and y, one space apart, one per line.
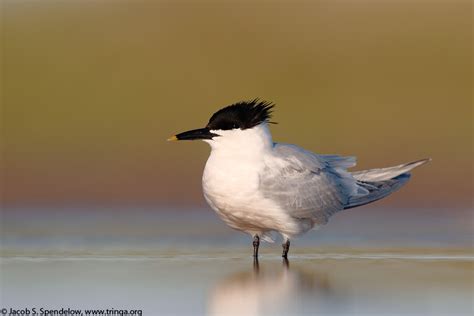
242 115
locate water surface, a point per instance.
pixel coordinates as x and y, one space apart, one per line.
189 263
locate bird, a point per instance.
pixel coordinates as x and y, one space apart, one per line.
259 187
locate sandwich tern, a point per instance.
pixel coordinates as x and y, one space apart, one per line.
258 186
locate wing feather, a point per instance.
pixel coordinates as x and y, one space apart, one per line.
307 185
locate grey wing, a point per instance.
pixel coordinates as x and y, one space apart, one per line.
307 185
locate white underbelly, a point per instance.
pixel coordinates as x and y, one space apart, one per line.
238 202
231 185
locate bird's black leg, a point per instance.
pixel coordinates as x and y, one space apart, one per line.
256 243
286 248
256 266
286 263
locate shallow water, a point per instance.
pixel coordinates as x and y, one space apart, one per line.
231 284
188 263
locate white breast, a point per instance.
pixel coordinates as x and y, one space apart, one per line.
231 181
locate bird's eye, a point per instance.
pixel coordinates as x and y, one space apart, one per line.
234 125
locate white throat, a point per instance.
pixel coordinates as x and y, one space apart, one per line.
236 161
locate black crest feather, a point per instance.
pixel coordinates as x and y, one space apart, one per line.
243 115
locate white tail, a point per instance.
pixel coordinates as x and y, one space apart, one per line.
382 182
381 174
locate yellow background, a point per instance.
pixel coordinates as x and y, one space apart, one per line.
92 89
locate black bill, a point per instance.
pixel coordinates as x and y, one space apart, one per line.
200 133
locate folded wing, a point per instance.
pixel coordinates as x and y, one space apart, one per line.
311 186
307 185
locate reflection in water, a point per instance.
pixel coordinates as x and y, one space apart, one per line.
270 290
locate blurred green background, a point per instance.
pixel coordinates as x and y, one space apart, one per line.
92 89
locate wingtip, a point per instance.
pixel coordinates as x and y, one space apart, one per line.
420 162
